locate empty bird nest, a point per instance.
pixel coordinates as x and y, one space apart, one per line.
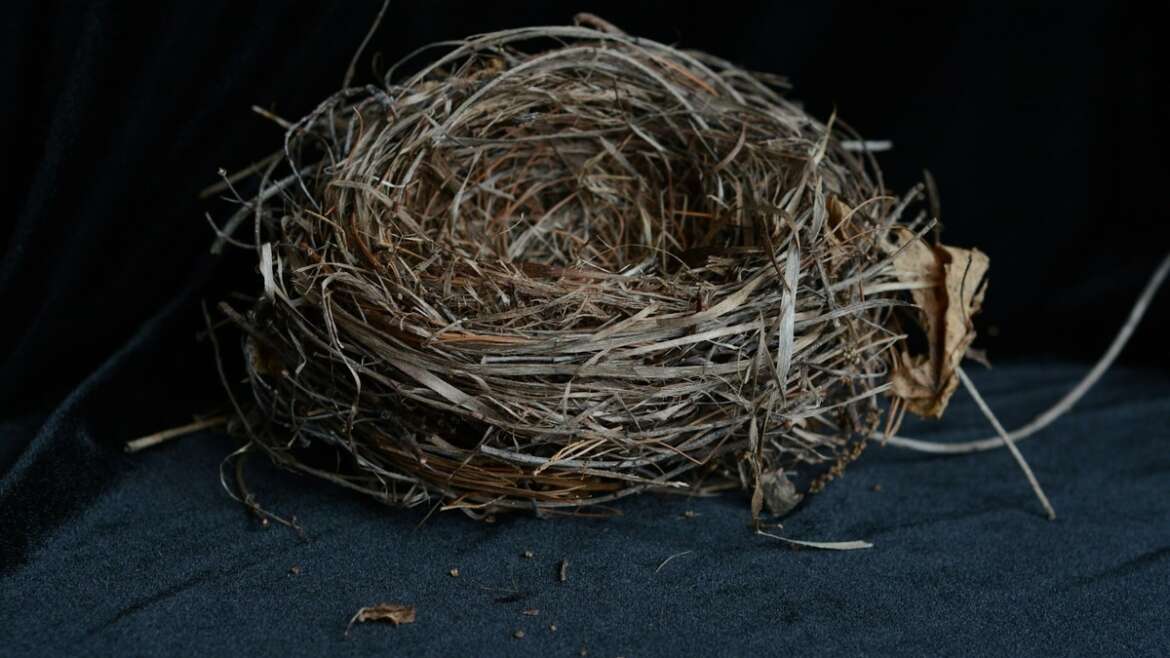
561 265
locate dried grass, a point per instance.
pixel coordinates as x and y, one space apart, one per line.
561 265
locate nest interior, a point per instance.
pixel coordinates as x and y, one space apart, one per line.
557 266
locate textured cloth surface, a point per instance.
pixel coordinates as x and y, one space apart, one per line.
162 562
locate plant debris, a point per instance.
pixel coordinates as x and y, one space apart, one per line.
151 440
951 283
531 612
663 564
393 613
563 571
823 545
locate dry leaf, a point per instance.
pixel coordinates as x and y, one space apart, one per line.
394 613
926 382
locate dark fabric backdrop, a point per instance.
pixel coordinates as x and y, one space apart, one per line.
1044 126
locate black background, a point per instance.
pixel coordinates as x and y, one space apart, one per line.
1044 127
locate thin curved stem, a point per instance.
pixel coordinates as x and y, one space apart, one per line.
1007 441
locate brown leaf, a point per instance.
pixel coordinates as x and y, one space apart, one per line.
395 613
956 279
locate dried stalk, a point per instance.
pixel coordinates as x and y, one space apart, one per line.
1011 446
151 440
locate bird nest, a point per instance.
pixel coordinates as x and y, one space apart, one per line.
558 266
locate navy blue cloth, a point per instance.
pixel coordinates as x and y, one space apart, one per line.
964 561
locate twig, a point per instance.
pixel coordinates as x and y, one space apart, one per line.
671 558
1007 440
249 500
228 181
150 440
245 497
352 69
274 118
854 545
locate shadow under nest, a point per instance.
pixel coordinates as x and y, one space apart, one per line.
545 279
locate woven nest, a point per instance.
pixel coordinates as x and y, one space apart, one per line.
558 266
